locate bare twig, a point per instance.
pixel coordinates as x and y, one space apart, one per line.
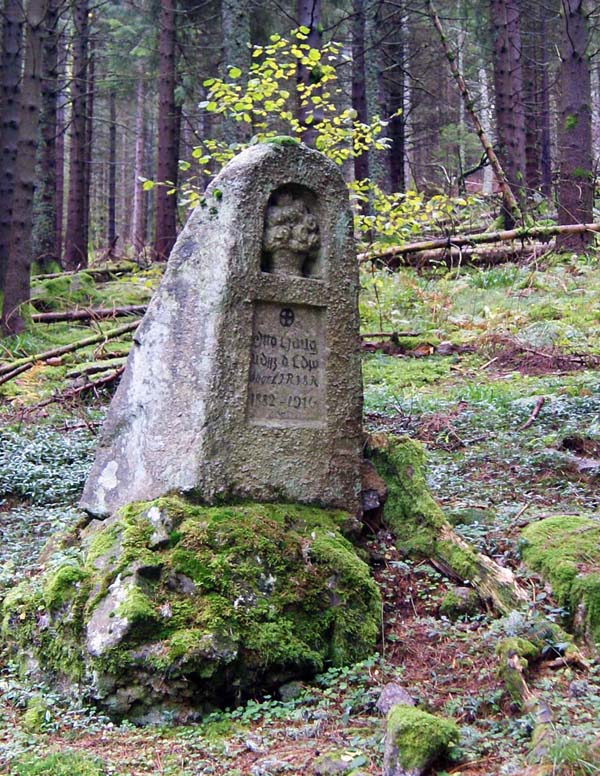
536 411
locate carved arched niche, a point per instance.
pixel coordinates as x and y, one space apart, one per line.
291 237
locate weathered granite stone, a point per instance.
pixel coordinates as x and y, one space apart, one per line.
393 695
244 377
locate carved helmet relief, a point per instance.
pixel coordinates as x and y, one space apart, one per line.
291 239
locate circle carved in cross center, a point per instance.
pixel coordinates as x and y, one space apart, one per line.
286 317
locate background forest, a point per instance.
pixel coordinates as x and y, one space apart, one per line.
113 116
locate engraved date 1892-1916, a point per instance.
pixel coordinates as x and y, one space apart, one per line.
286 375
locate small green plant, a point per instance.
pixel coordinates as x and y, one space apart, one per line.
573 758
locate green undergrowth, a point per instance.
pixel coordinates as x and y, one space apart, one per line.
29 463
62 763
464 303
76 291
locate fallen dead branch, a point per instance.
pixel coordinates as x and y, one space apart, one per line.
494 583
92 385
536 411
9 371
90 369
87 315
523 234
96 272
390 334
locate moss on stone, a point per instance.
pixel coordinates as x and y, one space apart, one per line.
137 607
516 645
454 605
565 550
249 596
101 544
419 737
61 585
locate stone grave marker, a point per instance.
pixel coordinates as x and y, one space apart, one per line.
244 377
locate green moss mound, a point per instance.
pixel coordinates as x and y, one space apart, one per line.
180 607
66 291
416 739
565 550
58 764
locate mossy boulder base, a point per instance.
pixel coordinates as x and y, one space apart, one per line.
176 608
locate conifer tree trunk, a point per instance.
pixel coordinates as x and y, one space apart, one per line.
168 147
235 27
137 218
89 139
309 16
379 170
60 145
359 90
536 93
508 85
544 116
17 279
75 238
112 172
509 203
45 216
10 76
575 186
395 83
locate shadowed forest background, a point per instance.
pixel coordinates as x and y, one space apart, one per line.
113 117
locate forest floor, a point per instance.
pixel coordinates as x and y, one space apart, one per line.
499 381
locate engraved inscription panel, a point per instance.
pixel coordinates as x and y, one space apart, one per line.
287 369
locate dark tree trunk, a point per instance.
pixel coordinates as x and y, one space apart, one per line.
75 237
137 218
17 280
395 66
308 14
235 25
536 94
359 91
89 139
112 171
60 146
576 181
508 84
10 77
544 119
45 242
168 115
379 163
